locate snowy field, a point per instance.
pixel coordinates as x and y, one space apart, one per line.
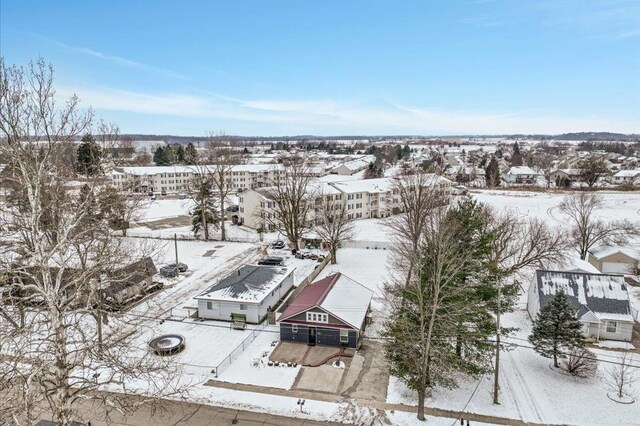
544 205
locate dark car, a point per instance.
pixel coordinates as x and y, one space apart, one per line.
232 209
170 270
271 261
278 245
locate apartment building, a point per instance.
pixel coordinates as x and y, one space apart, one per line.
364 199
177 179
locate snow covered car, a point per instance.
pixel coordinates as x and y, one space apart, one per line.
278 245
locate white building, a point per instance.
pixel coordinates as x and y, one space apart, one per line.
626 177
614 260
353 166
601 301
363 199
249 293
177 179
520 174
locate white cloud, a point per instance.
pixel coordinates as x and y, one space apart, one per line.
346 117
119 60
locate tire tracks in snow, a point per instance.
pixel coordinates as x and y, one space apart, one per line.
530 411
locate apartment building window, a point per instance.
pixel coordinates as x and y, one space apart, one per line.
350 197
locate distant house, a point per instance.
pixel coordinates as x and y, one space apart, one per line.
353 166
520 174
626 177
565 177
614 260
249 292
601 301
331 312
130 281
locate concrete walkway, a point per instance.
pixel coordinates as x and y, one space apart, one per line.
379 405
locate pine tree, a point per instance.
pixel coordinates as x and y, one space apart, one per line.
190 155
178 151
492 173
89 154
161 158
556 330
516 158
204 215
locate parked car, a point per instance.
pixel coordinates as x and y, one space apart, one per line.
278 245
271 261
169 270
232 209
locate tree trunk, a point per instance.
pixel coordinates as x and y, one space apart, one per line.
205 225
555 359
334 257
421 397
223 235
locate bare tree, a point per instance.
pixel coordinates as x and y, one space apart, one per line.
55 256
418 194
587 230
581 362
592 168
620 376
222 157
332 223
291 198
517 244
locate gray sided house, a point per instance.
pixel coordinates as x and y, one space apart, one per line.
601 301
248 293
330 312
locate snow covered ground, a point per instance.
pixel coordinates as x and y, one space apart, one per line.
544 205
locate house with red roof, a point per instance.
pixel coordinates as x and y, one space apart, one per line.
330 312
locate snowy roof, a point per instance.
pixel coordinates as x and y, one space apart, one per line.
153 170
358 164
521 170
337 294
250 283
627 173
579 265
601 294
603 252
365 185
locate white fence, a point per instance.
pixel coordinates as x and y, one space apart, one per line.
239 349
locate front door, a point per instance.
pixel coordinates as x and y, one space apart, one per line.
312 336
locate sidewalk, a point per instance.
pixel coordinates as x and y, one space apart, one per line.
378 405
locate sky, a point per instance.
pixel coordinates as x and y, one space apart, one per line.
330 67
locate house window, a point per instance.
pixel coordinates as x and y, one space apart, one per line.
209 305
612 326
317 317
243 307
344 336
294 328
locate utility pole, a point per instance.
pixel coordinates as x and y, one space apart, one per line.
496 370
175 244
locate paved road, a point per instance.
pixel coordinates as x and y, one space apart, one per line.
173 413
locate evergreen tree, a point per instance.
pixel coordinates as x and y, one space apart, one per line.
161 157
204 215
373 171
492 173
516 158
556 330
89 154
198 219
190 155
178 151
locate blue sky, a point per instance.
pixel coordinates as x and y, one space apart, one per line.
339 67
